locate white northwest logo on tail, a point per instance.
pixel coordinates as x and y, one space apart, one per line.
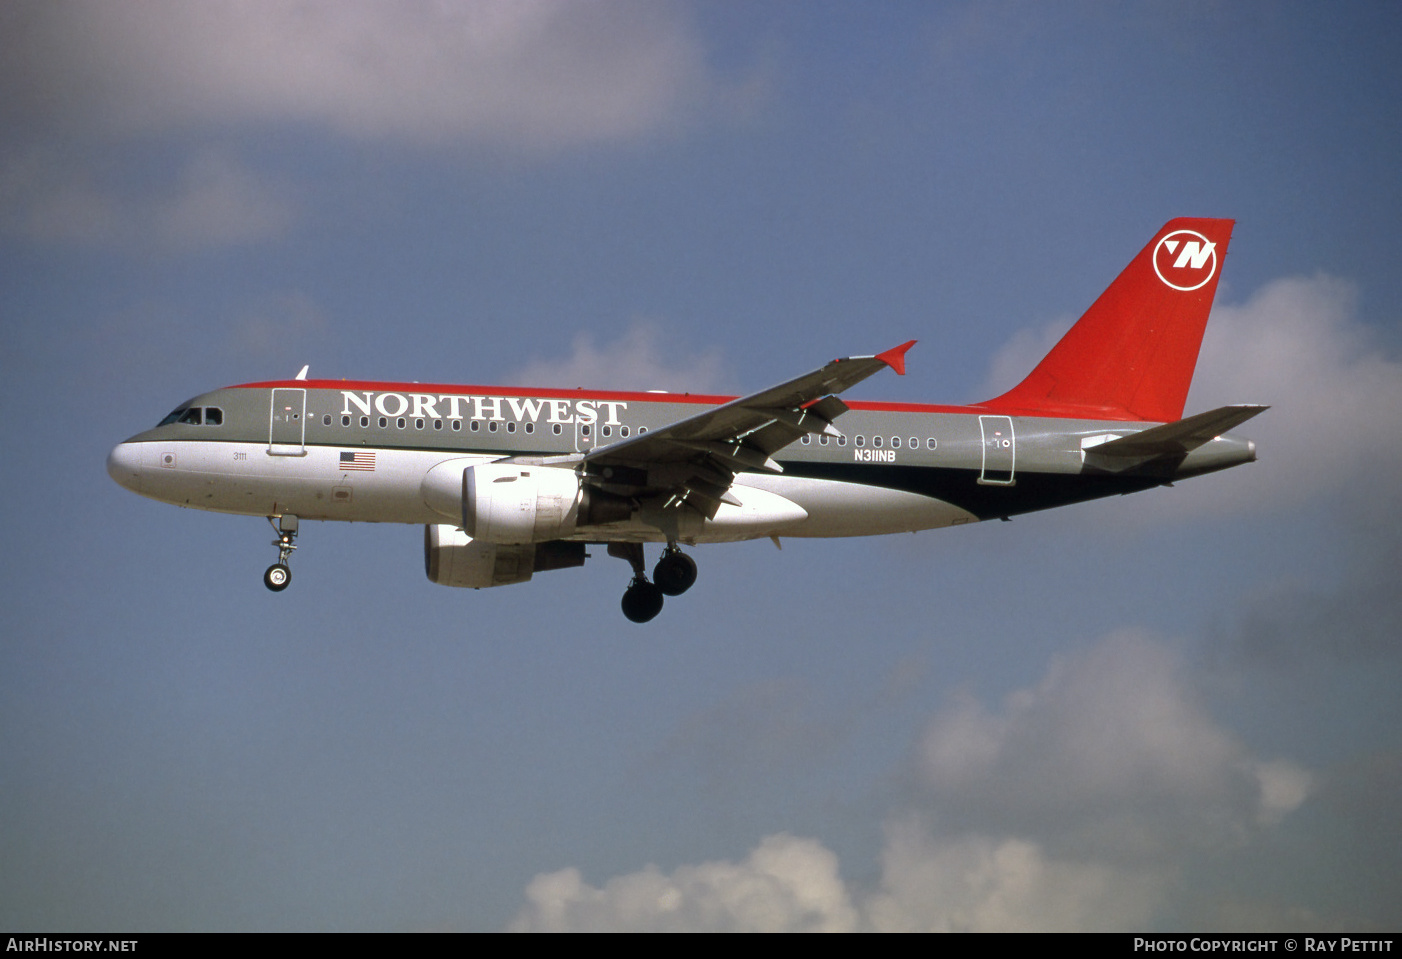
1189 258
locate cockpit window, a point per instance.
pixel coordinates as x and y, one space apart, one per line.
195 416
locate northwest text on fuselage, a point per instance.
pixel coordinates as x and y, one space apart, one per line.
460 406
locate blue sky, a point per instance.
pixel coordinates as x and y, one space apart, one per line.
1175 710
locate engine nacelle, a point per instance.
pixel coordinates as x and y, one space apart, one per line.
513 505
452 558
509 504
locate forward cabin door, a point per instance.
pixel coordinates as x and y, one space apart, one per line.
287 423
999 450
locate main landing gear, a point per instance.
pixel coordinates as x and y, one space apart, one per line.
674 574
278 576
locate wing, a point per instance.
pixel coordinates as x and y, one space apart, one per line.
695 460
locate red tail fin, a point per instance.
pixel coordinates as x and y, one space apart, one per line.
1131 356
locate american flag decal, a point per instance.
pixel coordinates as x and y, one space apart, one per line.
358 460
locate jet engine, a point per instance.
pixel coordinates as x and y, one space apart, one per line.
514 505
452 558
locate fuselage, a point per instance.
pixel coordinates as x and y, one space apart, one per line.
395 453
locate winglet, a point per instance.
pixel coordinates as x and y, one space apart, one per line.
895 357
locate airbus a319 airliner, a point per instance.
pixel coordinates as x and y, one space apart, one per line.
510 482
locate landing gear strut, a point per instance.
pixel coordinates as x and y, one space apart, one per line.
673 575
278 576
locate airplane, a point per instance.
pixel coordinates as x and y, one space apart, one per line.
509 482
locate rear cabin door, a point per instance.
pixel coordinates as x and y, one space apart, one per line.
287 423
999 451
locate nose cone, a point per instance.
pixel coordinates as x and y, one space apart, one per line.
124 464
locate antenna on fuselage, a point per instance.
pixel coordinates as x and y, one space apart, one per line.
303 375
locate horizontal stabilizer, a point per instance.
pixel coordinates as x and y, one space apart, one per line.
1182 436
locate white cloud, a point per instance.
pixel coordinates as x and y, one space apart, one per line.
1020 355
787 884
1110 752
1110 755
1298 345
784 885
980 884
534 73
1079 804
79 77
637 360
1284 786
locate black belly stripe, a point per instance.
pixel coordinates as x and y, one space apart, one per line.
1031 492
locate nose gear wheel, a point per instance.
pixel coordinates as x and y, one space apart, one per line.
278 576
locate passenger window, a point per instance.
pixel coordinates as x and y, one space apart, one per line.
915 442
842 441
345 419
491 427
213 416
930 443
383 422
584 431
530 427
419 423
859 440
876 441
608 430
401 422
325 419
457 425
364 421
438 424
476 425
557 429
895 442
624 431
806 439
511 427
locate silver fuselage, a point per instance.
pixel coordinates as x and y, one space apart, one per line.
395 453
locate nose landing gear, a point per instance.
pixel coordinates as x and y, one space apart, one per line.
674 574
278 576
